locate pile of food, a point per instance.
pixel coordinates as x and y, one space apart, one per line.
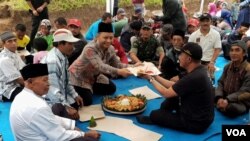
124 103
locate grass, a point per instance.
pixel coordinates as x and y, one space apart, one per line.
63 5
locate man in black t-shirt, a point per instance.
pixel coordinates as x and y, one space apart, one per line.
189 104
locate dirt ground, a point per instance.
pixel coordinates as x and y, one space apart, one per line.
88 14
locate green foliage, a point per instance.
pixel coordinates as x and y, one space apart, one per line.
140 96
92 122
62 5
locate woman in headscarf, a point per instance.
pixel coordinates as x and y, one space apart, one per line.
212 9
226 23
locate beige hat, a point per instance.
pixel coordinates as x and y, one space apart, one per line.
64 35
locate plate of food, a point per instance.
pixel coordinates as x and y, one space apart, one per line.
124 104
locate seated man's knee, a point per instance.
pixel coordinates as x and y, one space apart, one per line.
111 89
58 109
155 116
87 102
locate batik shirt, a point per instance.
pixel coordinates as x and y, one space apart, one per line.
93 64
10 64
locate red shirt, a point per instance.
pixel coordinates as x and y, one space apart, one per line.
120 51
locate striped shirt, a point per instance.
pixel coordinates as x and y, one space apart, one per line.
60 91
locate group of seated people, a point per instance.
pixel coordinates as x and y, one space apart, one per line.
231 22
68 68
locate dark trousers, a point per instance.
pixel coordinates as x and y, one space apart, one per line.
29 59
13 94
60 110
98 89
169 116
115 11
35 25
84 139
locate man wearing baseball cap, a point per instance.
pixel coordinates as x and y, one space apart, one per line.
210 41
61 92
11 81
146 47
74 25
121 15
137 15
233 91
193 108
192 25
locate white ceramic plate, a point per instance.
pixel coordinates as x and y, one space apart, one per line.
124 113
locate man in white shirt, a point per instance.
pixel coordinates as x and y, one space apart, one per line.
11 81
34 120
210 41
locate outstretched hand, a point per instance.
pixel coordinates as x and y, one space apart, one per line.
138 64
143 75
124 72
